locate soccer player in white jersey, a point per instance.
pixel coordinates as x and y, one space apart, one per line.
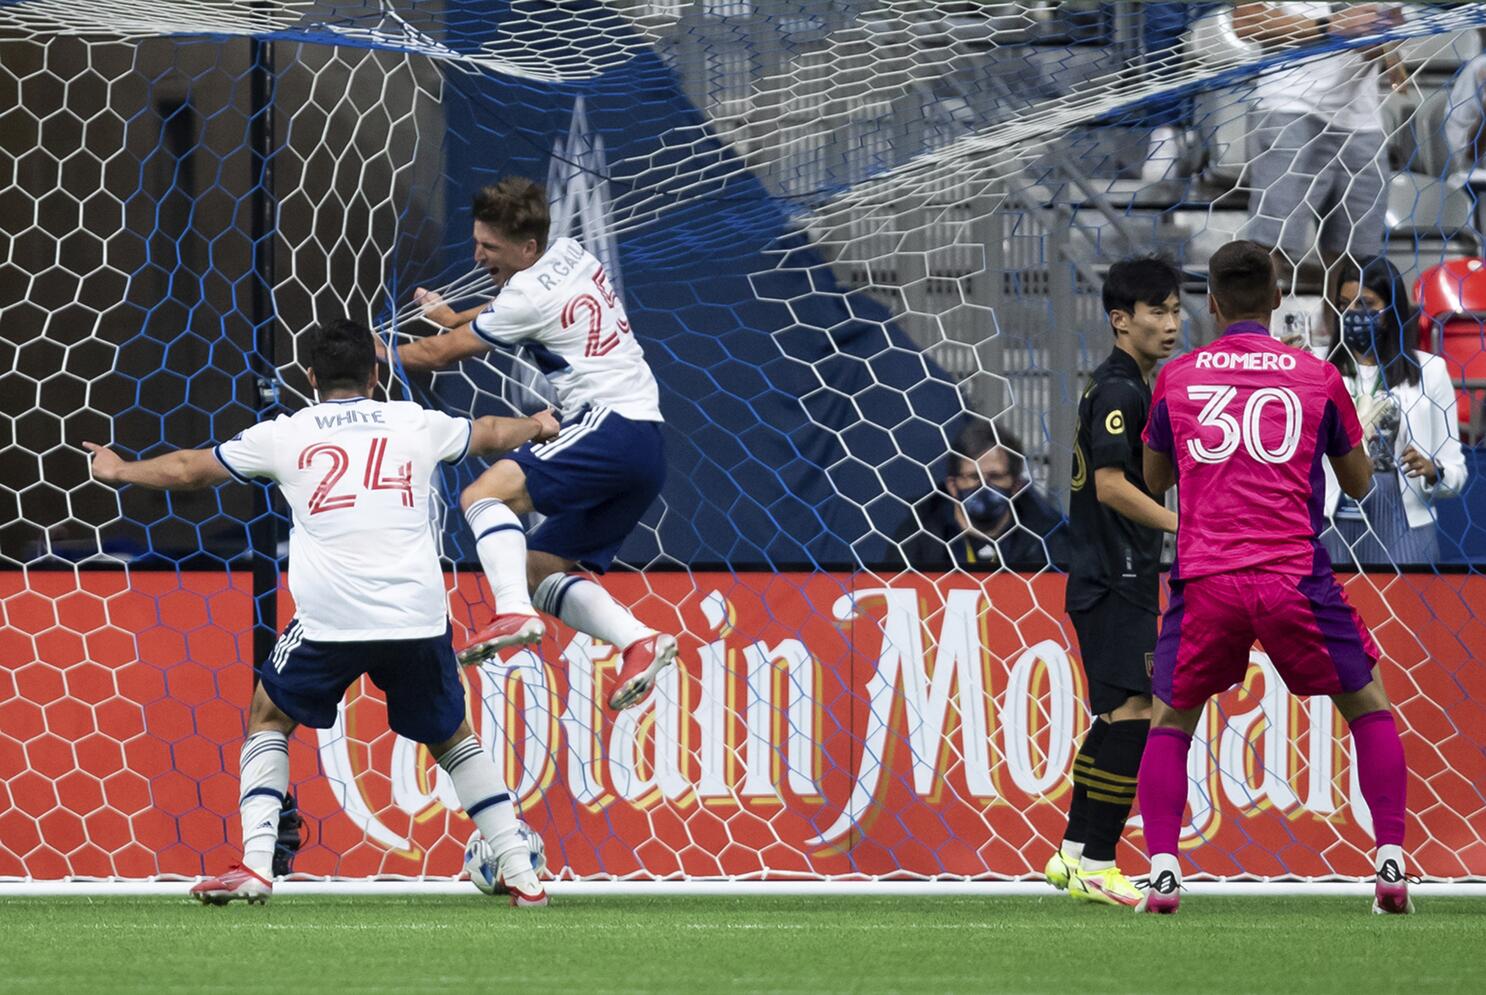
595 480
364 571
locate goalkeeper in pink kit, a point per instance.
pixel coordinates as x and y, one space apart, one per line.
1242 426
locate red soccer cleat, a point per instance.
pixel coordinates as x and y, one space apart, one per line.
503 632
641 662
237 882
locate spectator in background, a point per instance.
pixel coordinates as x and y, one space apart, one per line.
1317 134
1465 129
988 514
1406 404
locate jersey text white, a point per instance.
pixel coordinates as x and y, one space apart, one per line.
563 311
358 476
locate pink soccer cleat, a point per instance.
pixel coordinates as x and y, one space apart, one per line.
1391 896
237 882
641 662
503 632
1163 896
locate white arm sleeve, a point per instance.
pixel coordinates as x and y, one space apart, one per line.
1439 402
508 319
449 436
249 453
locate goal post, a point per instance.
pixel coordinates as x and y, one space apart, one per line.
843 232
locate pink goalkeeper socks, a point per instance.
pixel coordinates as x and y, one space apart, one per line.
1381 773
1162 788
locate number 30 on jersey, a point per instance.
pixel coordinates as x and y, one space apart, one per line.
1244 430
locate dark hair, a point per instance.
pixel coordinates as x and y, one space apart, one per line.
1240 276
1141 280
341 353
516 208
1398 344
980 436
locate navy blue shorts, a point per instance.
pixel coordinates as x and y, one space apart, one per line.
425 700
593 482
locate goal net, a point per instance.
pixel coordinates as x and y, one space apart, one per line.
844 233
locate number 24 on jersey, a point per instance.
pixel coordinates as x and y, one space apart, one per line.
372 479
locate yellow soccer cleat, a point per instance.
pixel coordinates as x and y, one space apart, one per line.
1060 867
1106 887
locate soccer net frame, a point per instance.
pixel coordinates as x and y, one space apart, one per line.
840 235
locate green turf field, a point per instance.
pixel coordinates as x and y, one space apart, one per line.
447 944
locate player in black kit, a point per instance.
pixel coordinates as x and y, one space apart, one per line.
1113 596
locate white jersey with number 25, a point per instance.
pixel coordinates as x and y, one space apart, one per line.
564 313
358 476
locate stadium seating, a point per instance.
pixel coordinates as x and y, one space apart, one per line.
1452 299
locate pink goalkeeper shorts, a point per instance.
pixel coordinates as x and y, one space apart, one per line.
1313 635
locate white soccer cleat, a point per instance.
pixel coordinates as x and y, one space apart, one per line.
518 873
1391 894
237 883
1163 896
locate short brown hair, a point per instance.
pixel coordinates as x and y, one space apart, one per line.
516 208
1240 276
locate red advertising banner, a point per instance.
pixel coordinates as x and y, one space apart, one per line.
819 725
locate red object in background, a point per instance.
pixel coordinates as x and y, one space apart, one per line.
1452 323
815 726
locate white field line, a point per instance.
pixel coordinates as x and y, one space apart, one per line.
869 889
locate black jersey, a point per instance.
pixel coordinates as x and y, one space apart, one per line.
1111 553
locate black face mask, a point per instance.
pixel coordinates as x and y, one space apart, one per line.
1360 329
985 504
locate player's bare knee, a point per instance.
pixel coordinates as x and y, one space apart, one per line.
460 735
540 566
504 481
1137 708
1370 698
1163 716
265 716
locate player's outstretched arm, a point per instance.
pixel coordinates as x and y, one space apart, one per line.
439 351
491 435
182 470
1354 472
436 311
1117 493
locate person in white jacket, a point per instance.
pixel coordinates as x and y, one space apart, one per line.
1406 404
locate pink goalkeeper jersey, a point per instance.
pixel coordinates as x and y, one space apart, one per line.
1247 422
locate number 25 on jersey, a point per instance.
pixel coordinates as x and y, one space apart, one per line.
1244 430
372 479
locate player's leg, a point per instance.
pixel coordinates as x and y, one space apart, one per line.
492 504
1203 649
485 798
595 484
1319 645
1116 640
1063 864
1111 786
426 703
581 603
263 778
1383 775
1162 790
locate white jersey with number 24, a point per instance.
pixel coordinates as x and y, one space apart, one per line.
358 476
563 311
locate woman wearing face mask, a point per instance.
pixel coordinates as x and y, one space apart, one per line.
1406 404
